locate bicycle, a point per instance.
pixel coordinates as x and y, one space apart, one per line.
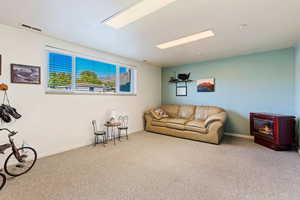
20 161
2 180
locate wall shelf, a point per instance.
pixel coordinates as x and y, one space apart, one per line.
181 89
180 81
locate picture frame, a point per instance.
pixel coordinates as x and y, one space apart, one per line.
206 85
181 91
25 74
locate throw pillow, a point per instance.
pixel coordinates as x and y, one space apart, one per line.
159 113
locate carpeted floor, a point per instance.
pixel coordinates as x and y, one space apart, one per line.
157 167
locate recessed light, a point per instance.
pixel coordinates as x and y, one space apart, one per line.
188 39
138 11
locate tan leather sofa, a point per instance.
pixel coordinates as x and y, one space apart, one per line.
202 123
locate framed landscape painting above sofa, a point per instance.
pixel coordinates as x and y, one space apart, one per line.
206 85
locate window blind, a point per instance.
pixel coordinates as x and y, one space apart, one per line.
78 74
59 71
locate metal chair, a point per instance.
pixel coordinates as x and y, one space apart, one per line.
98 133
123 120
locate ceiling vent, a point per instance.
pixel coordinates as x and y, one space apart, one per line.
31 28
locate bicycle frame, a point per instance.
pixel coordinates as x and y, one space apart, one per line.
15 149
12 145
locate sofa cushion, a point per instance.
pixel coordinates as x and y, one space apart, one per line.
203 112
171 110
196 126
161 122
176 123
170 123
175 126
195 129
196 123
214 110
186 112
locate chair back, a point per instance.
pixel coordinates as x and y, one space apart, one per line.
124 121
94 123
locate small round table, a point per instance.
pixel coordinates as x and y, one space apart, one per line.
112 125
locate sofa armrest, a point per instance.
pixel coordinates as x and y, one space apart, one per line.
148 119
216 129
147 112
221 117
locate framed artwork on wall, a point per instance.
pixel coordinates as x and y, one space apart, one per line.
206 85
181 91
25 74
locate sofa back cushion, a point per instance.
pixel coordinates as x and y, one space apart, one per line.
191 112
214 110
171 110
202 112
186 112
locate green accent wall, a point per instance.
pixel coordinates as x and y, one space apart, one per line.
262 82
297 86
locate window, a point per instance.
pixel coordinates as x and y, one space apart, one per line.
126 77
60 71
95 76
69 73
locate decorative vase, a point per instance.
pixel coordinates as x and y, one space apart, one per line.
184 77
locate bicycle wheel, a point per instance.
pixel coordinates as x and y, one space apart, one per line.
13 167
2 180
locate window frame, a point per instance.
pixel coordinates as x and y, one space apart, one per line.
73 81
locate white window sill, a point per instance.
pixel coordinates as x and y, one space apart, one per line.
87 93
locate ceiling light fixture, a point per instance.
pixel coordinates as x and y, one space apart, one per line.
138 11
188 39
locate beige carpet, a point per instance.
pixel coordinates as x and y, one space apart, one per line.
156 167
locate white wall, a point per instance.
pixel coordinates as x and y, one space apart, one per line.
55 123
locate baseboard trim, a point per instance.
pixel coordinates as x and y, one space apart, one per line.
249 137
74 147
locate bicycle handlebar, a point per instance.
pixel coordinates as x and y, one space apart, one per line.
12 133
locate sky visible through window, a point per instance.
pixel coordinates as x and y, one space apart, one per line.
60 71
103 70
60 63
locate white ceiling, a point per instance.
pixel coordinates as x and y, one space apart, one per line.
272 24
